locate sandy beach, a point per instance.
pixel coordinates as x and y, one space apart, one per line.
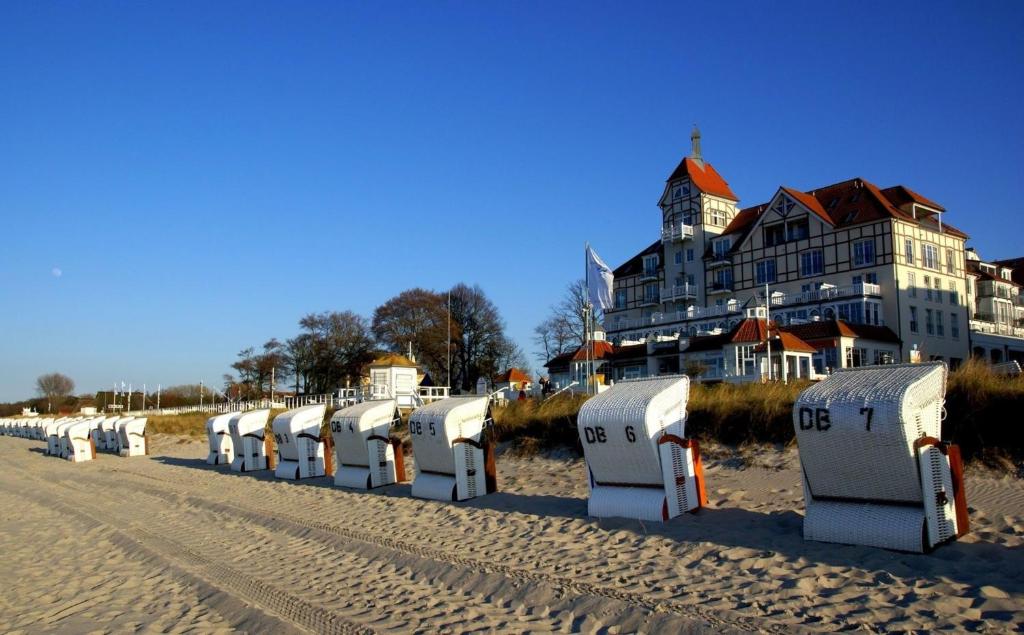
167 543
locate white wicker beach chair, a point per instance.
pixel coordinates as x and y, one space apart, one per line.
109 427
300 448
222 449
99 436
640 463
875 471
249 440
52 440
366 456
79 440
35 430
62 438
454 456
132 439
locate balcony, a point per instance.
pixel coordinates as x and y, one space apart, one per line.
985 323
677 231
719 260
660 319
648 274
718 288
680 292
825 294
650 300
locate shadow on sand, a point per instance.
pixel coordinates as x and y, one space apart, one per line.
765 534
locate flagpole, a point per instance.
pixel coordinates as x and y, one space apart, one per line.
768 330
586 312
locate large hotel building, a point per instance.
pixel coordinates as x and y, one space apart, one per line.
855 274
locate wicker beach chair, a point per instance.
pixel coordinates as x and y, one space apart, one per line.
300 449
248 438
99 436
874 469
454 456
640 463
109 428
79 440
132 437
222 450
366 456
62 437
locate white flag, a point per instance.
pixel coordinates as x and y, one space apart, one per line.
599 281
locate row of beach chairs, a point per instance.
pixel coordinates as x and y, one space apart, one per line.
454 458
875 471
78 438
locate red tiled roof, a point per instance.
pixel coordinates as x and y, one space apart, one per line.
703 175
750 330
597 350
513 375
787 342
810 203
831 329
744 219
900 195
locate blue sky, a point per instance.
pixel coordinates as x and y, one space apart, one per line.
202 174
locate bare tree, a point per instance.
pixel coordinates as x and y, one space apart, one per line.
564 329
420 317
54 387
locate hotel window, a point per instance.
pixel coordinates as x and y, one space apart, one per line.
620 298
855 356
689 255
745 359
912 284
723 279
929 321
650 266
721 248
679 257
797 229
930 256
913 319
811 263
717 217
864 253
927 287
764 271
651 293
940 330
938 290
954 296
774 235
908 250
872 278
954 326
950 262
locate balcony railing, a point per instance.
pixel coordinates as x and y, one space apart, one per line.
680 292
677 231
825 294
719 260
692 313
649 274
649 300
979 325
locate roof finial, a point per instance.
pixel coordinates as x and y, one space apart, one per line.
695 144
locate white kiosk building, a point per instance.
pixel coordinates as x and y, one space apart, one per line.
640 463
366 456
875 470
454 458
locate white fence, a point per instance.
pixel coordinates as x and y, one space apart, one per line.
348 396
217 406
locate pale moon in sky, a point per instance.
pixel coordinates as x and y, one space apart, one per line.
56 272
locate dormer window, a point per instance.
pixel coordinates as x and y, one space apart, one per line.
797 229
721 248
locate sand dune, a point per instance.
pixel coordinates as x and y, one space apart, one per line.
169 543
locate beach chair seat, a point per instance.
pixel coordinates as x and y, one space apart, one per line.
454 454
875 471
366 456
249 440
36 430
132 439
639 461
52 440
79 440
300 448
62 437
222 450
